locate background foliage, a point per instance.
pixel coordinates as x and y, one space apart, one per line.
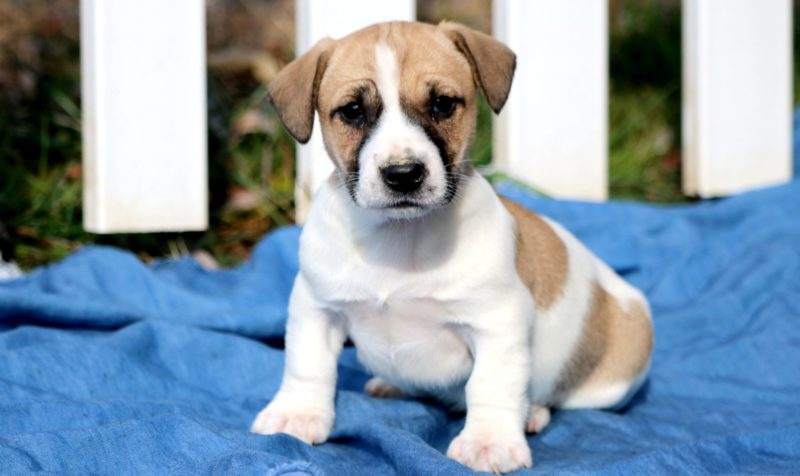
251 156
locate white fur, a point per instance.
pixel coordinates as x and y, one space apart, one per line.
538 419
612 395
428 308
433 304
396 140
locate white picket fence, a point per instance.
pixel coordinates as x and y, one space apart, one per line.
143 67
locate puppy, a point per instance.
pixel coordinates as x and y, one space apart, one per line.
446 289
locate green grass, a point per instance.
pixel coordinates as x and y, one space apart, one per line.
644 160
645 100
40 179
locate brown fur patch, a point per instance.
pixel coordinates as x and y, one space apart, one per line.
351 75
427 59
294 91
433 65
448 59
493 63
542 259
615 346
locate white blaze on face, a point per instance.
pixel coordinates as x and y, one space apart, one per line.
395 140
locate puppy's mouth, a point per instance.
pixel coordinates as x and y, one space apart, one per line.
405 204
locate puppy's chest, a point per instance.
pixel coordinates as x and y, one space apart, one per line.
365 292
397 279
410 295
404 322
410 342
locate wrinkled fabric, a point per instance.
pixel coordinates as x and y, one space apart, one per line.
108 365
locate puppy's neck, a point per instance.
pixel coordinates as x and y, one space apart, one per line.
418 242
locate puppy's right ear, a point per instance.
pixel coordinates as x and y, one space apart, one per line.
294 91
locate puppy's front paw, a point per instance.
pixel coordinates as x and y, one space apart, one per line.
308 424
493 451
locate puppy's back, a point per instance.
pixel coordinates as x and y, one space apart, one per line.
611 357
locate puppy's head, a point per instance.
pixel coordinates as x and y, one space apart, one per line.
396 102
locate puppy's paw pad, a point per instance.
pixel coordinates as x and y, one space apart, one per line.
379 388
538 419
490 452
310 426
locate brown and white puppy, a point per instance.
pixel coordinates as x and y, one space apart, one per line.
446 289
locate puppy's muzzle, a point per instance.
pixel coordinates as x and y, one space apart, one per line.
404 178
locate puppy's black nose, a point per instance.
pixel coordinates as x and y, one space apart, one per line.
403 178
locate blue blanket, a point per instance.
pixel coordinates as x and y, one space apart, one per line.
108 365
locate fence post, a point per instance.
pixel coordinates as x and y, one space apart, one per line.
144 115
553 132
737 88
316 19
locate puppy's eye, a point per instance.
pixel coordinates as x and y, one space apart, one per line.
442 107
353 113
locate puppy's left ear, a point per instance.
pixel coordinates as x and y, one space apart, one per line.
294 91
492 62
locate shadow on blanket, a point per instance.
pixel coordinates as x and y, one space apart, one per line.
111 366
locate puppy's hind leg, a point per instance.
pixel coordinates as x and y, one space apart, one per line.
380 388
538 419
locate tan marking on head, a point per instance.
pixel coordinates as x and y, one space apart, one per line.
351 75
432 63
542 259
615 346
451 58
426 58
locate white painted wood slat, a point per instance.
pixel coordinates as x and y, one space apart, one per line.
144 115
737 86
553 132
316 19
